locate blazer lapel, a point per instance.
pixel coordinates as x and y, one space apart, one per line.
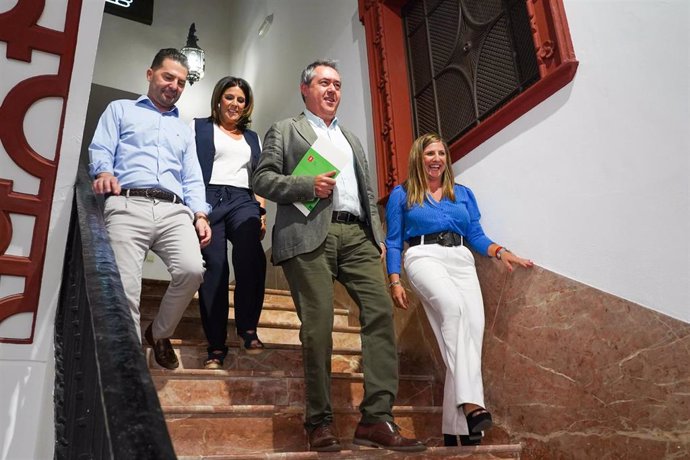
304 129
358 153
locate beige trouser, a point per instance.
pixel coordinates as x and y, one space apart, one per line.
137 224
445 279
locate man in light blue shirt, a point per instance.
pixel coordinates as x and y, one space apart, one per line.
143 158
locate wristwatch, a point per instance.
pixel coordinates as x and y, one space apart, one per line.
500 251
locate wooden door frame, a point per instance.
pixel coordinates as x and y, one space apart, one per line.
390 86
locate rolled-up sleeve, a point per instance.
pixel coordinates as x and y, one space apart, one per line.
105 140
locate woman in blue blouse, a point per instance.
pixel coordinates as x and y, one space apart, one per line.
437 218
228 154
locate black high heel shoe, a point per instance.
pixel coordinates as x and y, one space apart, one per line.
478 420
451 440
252 344
470 439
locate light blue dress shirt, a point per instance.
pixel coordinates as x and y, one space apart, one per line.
460 216
145 148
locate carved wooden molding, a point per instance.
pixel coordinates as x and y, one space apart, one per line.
391 104
19 30
391 101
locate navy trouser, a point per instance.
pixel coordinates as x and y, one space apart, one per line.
235 217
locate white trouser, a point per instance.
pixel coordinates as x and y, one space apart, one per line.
446 282
137 224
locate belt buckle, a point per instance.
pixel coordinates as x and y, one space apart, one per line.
443 239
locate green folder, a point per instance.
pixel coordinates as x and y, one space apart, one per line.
312 164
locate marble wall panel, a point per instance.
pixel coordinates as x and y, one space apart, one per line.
573 372
570 372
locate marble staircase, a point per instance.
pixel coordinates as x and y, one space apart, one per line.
253 407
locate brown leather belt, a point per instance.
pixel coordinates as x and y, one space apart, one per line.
447 239
153 193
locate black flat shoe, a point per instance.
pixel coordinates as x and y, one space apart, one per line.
478 420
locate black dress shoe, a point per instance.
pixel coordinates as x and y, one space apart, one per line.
385 435
323 439
162 350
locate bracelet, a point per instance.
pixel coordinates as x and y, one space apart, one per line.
496 252
203 217
501 249
393 283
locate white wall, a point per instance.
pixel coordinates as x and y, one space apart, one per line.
26 386
228 33
593 183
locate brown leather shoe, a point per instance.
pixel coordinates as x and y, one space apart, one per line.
323 439
162 350
385 435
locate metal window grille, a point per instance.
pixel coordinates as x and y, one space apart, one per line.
466 59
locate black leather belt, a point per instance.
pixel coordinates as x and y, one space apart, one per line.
447 239
154 193
344 217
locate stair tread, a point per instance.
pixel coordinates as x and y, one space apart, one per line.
171 411
268 304
163 284
232 373
263 324
355 452
176 343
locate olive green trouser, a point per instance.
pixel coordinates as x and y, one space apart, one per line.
350 256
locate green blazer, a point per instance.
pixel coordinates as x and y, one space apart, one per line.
294 233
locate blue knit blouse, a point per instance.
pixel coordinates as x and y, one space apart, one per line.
461 216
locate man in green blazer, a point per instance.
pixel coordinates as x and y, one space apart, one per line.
340 239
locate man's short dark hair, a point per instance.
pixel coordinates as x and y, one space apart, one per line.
310 70
169 53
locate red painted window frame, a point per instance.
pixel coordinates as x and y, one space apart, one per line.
390 86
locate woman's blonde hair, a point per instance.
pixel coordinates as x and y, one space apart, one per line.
417 185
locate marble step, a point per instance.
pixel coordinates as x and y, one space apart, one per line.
254 429
275 300
270 332
154 289
352 452
276 357
201 387
158 287
276 309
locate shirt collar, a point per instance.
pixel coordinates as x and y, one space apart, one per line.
145 100
318 121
